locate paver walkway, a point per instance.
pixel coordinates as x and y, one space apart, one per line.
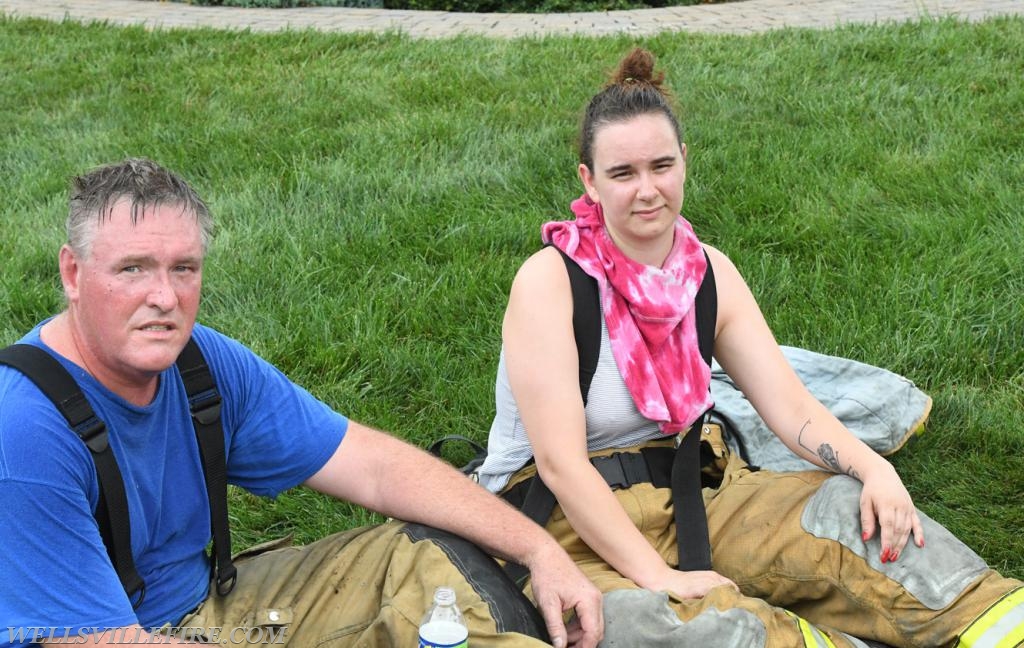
746 16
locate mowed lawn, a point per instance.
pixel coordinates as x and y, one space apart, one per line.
374 196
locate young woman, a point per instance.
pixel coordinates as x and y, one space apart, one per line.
811 558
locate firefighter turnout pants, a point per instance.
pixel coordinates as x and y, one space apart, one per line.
792 543
368 587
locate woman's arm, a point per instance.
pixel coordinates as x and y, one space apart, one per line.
747 350
543 369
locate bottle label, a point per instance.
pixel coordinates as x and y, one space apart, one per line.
443 634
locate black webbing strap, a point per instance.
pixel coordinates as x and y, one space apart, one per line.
651 465
692 539
586 321
620 470
57 384
204 402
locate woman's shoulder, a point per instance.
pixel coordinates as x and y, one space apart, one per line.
721 264
544 261
714 253
542 271
541 286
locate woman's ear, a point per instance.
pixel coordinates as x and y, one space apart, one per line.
587 178
682 148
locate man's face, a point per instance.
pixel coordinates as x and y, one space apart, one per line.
133 296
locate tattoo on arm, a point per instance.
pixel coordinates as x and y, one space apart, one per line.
827 454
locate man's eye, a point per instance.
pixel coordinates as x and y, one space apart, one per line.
130 269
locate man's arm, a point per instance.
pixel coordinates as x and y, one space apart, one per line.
387 475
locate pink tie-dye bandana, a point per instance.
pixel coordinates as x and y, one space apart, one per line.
649 312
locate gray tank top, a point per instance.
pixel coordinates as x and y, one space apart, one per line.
612 420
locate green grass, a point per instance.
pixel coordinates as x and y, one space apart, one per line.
374 196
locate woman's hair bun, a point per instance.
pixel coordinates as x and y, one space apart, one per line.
634 89
638 67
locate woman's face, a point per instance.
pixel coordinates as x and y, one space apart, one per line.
638 176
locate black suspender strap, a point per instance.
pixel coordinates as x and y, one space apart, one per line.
586 321
204 402
692 540
112 511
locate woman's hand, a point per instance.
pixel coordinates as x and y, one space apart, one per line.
688 584
886 501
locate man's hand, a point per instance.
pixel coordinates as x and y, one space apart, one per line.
380 472
558 587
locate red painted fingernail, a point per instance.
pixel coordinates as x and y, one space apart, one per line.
865 536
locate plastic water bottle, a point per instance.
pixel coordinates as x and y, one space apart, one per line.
443 625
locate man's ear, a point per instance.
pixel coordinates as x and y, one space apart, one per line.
587 178
69 272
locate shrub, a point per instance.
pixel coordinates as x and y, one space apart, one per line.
468 6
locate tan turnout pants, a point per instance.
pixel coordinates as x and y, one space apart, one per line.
366 587
791 542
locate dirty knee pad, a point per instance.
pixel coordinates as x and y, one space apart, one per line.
935 574
644 618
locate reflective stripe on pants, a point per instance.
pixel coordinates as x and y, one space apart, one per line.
1001 626
813 638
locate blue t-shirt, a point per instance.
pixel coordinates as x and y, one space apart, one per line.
55 571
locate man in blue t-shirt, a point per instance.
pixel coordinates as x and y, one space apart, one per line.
132 270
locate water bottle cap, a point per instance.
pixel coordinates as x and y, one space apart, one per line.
444 596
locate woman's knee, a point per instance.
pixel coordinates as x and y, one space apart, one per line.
644 618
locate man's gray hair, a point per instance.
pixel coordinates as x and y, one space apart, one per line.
144 183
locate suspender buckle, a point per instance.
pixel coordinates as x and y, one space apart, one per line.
205 406
622 469
611 470
136 590
93 432
226 577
